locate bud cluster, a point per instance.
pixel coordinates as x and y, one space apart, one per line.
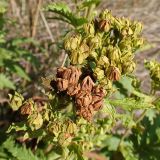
154 69
106 45
87 96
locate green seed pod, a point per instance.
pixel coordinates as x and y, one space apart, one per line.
94 55
73 42
99 73
137 28
103 62
95 42
35 121
113 54
78 56
16 101
89 29
106 15
55 128
128 67
107 84
70 127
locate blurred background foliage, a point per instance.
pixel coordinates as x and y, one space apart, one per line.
31 47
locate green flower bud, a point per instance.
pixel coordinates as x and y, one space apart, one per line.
99 73
35 121
137 42
70 127
113 54
73 42
137 28
95 42
78 56
89 29
106 15
126 31
103 61
107 84
94 55
55 128
128 67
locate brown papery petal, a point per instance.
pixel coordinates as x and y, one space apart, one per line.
87 84
62 84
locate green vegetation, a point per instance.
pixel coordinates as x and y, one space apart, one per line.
93 106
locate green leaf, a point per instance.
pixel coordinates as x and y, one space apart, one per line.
131 104
20 71
66 14
16 68
124 87
88 3
112 143
18 152
5 82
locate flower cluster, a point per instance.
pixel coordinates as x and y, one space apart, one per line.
106 45
154 68
87 96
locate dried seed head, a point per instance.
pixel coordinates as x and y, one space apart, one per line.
62 84
73 89
26 109
75 74
83 99
87 84
67 76
86 113
97 96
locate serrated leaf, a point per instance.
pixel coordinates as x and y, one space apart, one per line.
5 82
131 104
18 152
66 14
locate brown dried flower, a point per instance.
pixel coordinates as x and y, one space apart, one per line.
62 84
71 74
86 113
83 99
73 89
98 95
26 109
87 84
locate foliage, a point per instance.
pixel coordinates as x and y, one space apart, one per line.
12 55
94 104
